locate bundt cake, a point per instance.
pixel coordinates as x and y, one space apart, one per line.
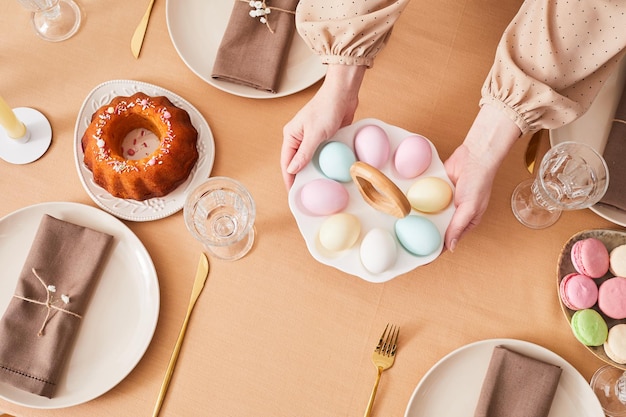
140 147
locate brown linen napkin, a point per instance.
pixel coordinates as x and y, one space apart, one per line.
517 386
249 53
615 157
35 339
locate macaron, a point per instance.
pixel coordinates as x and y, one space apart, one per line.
590 257
615 345
589 327
612 298
617 261
578 292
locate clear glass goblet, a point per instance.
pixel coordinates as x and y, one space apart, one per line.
54 20
609 385
571 176
220 213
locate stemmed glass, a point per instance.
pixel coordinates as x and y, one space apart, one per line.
54 20
571 176
609 385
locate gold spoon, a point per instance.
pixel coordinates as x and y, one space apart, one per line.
198 284
137 40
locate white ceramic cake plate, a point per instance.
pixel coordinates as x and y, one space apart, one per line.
196 28
593 129
154 208
349 260
451 388
121 316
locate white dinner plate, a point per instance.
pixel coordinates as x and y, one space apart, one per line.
153 208
452 387
196 28
593 128
349 260
120 319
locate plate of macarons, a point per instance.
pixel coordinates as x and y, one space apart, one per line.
591 282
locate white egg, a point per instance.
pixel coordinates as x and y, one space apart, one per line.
378 251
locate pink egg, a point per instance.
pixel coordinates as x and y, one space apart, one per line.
371 145
413 156
322 197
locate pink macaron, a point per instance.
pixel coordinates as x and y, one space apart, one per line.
590 257
578 291
612 298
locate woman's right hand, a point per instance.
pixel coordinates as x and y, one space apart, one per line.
332 108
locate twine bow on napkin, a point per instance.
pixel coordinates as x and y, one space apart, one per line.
255 45
50 303
38 328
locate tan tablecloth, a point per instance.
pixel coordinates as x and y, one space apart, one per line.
277 333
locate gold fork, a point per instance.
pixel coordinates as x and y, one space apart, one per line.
383 358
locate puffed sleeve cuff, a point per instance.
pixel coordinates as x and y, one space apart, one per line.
510 112
528 102
347 60
347 33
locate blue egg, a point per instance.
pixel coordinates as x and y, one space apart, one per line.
418 235
335 160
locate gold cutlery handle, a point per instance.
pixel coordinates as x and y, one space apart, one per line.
370 404
140 32
201 276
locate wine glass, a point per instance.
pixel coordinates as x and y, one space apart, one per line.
571 176
54 20
609 385
220 213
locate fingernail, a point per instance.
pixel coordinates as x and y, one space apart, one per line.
293 167
453 245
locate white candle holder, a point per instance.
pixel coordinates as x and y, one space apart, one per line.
33 144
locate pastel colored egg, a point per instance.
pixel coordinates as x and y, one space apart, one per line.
371 145
378 251
335 160
339 232
322 197
418 235
429 194
413 156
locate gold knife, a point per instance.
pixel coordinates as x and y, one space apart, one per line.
198 284
137 40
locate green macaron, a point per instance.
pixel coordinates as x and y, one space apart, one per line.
589 327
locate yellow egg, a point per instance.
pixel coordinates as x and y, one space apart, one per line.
430 194
339 232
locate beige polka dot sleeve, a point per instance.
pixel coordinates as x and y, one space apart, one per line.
347 32
553 59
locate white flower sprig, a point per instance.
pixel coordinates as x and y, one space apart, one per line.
261 10
50 302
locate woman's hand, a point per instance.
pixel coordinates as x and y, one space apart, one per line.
332 108
472 167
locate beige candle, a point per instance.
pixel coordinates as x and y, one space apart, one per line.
15 129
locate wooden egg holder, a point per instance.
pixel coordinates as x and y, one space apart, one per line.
379 191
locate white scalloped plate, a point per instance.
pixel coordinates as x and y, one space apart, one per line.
350 260
154 208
